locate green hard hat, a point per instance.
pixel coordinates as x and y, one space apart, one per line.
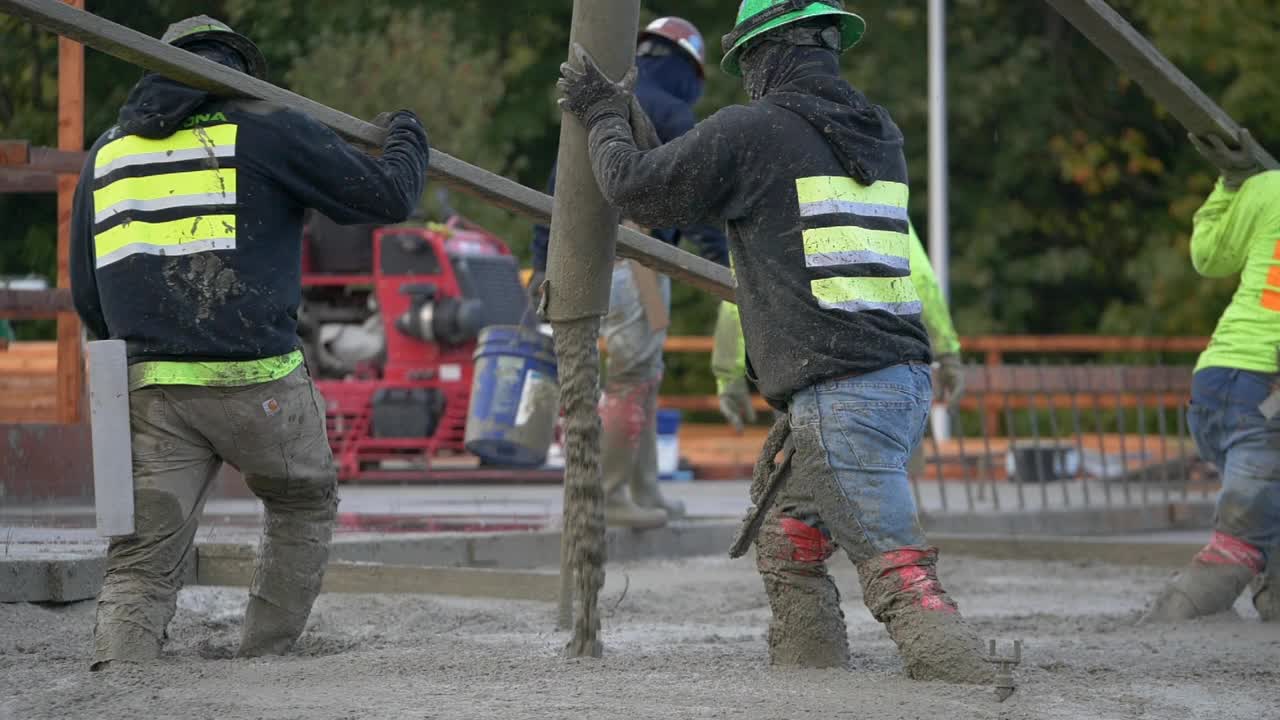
757 17
203 27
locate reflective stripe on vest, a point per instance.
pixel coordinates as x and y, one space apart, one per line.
228 373
856 242
171 196
1271 293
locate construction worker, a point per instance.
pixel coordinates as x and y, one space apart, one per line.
1235 395
810 178
186 244
669 62
729 356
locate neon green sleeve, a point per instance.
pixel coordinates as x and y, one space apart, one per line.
729 354
1224 227
937 316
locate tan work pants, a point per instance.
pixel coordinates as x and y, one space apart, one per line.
274 433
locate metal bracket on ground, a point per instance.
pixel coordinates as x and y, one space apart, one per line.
1004 669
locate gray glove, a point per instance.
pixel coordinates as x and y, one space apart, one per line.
1236 164
535 286
735 405
589 94
950 378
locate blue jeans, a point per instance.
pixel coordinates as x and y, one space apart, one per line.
1232 434
852 439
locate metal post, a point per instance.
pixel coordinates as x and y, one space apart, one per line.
576 295
938 220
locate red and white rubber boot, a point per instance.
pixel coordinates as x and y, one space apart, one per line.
902 590
1210 583
807 629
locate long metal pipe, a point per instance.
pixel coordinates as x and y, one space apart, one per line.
149 53
1162 80
938 191
939 218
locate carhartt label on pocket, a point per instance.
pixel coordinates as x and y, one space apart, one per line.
270 407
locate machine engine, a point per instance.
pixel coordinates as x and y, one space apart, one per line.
389 333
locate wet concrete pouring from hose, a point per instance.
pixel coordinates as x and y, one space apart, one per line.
579 370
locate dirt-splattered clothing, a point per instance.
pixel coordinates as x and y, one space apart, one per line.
822 258
187 224
274 433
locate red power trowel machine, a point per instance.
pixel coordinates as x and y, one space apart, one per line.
389 321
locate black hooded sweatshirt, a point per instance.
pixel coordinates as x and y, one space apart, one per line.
811 181
187 224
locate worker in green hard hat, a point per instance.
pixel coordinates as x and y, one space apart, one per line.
811 182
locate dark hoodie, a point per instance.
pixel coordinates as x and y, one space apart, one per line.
187 225
667 86
811 181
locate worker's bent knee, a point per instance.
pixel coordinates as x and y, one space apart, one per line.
787 543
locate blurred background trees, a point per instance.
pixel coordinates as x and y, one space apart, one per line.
1071 192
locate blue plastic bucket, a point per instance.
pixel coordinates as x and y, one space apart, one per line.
515 396
668 443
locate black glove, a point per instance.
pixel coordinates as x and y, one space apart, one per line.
1236 164
589 94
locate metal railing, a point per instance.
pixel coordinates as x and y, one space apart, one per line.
1055 436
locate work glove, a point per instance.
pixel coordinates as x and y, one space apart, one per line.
646 136
1236 164
535 286
735 404
950 378
589 94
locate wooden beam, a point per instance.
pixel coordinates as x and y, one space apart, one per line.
19 155
24 181
15 152
71 139
35 304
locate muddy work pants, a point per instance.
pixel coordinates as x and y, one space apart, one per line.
1231 433
852 439
274 433
628 406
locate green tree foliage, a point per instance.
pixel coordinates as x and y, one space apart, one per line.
1071 192
419 62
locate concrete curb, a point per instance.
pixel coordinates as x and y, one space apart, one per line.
51 578
1083 522
68 577
1114 551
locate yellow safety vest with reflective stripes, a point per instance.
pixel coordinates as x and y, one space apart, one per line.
194 211
862 234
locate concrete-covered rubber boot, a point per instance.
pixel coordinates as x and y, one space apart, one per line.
1210 584
645 490
290 568
902 590
1267 600
622 416
807 629
269 630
